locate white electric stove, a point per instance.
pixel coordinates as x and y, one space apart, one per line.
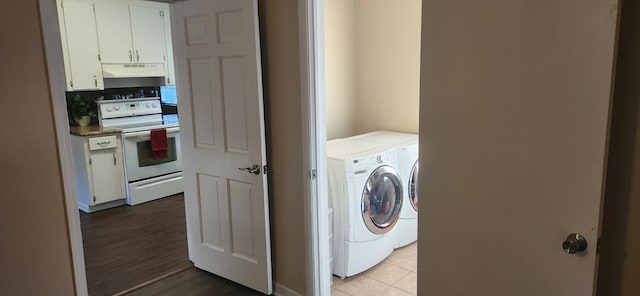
148 178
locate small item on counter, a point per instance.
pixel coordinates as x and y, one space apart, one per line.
82 108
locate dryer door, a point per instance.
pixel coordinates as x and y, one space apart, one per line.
413 186
382 200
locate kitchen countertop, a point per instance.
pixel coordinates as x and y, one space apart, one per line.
93 130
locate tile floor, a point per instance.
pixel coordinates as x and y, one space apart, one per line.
395 276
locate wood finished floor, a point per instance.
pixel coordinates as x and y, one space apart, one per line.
195 282
127 246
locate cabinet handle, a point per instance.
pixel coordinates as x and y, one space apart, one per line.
137 56
130 56
95 80
114 159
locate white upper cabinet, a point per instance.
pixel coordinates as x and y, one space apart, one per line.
98 34
80 45
148 35
129 33
170 78
114 32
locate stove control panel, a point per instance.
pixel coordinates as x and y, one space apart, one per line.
126 108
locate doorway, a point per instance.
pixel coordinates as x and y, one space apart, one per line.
132 222
246 241
371 60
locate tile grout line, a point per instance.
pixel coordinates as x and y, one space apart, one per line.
399 288
404 253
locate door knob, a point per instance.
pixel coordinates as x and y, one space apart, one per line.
255 169
575 243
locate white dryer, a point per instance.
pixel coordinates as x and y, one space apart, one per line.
406 231
365 193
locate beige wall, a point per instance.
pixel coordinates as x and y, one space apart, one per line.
620 246
388 65
340 67
281 67
372 53
34 248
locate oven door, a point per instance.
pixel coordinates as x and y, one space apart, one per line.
139 158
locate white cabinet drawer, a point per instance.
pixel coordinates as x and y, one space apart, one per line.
99 143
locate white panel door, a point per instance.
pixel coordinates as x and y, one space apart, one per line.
514 113
218 74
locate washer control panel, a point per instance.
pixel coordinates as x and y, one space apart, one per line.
365 165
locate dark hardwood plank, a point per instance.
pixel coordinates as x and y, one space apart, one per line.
127 246
195 282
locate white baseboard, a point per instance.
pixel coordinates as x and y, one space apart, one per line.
281 290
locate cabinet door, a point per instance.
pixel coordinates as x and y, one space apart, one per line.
107 174
170 78
83 66
147 33
114 32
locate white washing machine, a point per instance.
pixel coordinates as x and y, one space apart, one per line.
406 230
365 193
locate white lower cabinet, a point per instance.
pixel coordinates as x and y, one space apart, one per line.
99 172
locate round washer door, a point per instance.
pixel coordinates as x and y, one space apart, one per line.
382 200
413 186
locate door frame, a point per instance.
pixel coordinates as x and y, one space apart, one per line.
314 137
313 111
55 70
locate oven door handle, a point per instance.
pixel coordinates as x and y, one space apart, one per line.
143 134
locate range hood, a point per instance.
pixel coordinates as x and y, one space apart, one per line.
132 70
